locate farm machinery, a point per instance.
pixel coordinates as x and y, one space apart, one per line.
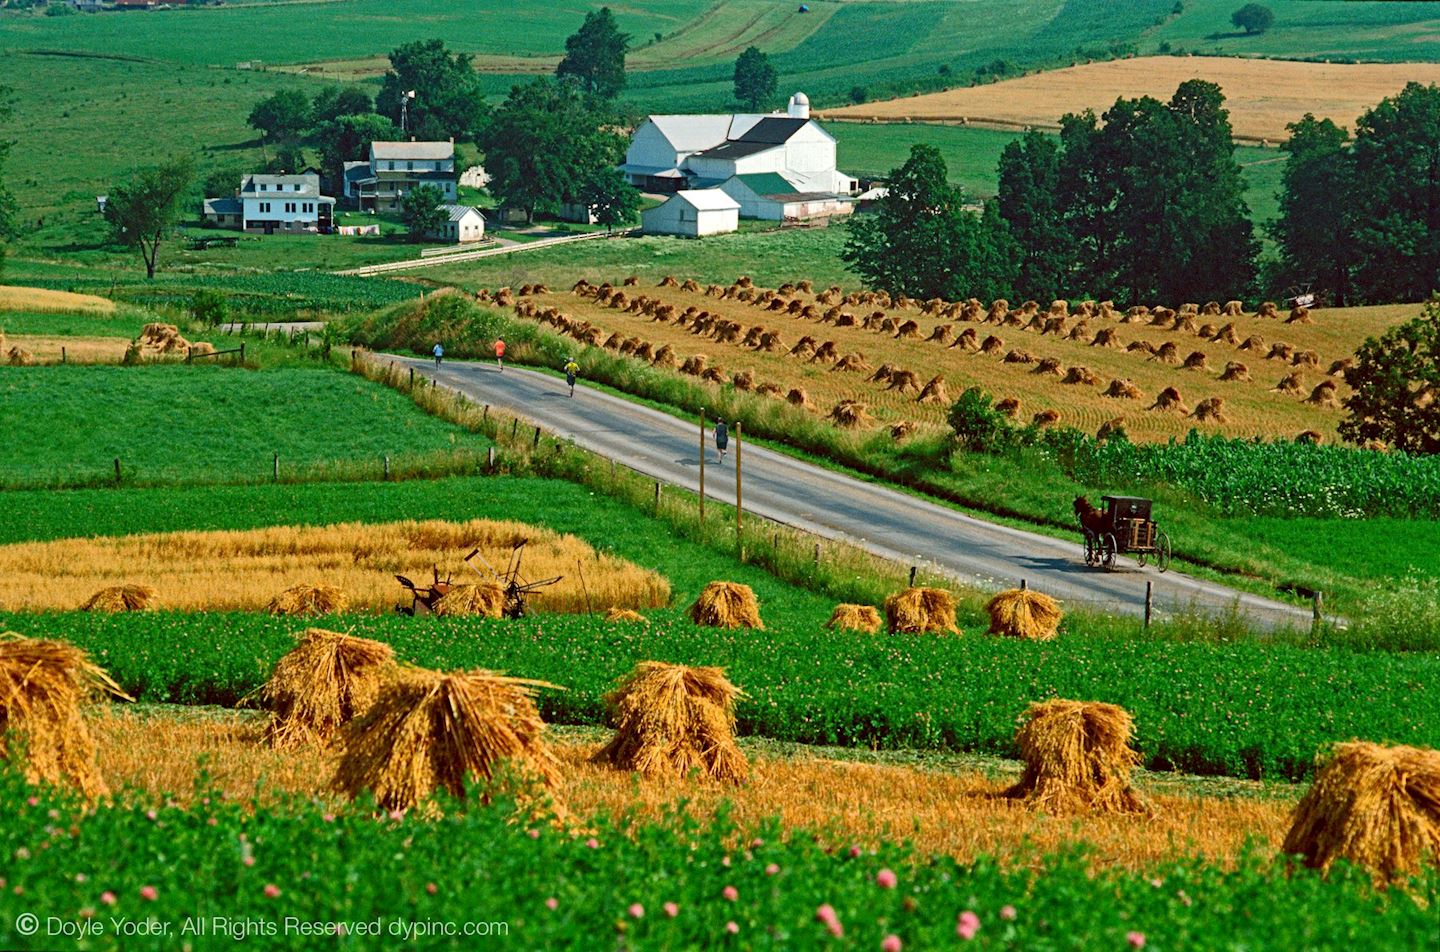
517 591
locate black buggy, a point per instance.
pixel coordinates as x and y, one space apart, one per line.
1124 527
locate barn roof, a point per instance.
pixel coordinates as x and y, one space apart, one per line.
458 212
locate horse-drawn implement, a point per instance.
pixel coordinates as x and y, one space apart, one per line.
1123 527
517 591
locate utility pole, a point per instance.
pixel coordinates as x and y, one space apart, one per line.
702 467
739 546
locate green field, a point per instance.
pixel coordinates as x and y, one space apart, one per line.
512 880
1336 30
176 423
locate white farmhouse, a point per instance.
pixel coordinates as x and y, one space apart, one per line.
394 168
669 153
274 203
692 214
464 224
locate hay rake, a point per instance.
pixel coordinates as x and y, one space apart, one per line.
517 590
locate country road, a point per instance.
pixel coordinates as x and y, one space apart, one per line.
884 521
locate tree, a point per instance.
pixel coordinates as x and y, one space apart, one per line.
612 200
142 211
283 116
420 210
595 55
1314 229
1029 202
448 101
922 242
1396 383
332 102
287 160
755 79
1253 18
347 139
977 425
545 142
1395 197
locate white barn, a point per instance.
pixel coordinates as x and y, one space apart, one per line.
464 224
770 196
692 214
669 153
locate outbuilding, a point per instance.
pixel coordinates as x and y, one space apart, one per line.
463 224
693 214
771 197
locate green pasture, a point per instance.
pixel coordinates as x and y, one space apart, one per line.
1335 30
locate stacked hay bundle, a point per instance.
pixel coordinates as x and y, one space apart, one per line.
917 610
20 357
303 601
744 380
694 365
1211 308
726 605
632 281
323 683
1080 331
825 353
771 342
1077 758
968 340
1081 375
45 687
1254 343
429 731
1305 358
1110 429
1169 399
1234 370
614 341
626 615
1226 335
1280 351
1122 390
1338 368
902 429
485 599
854 362
1008 406
992 345
1019 357
997 311
942 334
903 381
1138 346
908 329
1105 337
847 617
1196 361
846 319
1323 395
1021 613
1211 409
645 351
121 598
1052 325
1184 323
769 390
1290 383
670 720
1135 314
665 358
1299 315
1207 331
1376 806
1048 366
668 282
850 414
1233 309
1046 418
804 347
753 335
1167 353
933 391
797 397
1268 309
714 375
1313 438
690 285
158 340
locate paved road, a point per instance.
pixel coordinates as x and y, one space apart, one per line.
889 523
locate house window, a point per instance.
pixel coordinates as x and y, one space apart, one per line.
265 206
392 166
290 206
409 166
262 186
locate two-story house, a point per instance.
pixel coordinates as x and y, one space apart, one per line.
267 204
394 168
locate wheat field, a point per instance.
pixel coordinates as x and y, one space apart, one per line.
956 812
1080 372
48 349
243 570
13 298
1263 96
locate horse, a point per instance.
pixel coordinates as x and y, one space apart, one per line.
1092 520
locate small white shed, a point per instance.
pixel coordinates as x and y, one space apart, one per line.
464 224
693 213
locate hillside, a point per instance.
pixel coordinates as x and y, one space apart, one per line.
1263 96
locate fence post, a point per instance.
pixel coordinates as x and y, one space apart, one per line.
387 467
1149 601
275 469
912 576
702 466
486 414
536 444
412 378
490 459
817 555
117 471
64 359
242 353
739 505
657 497
1317 611
514 427
1024 585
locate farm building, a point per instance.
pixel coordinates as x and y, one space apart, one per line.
693 214
465 224
670 153
394 168
271 203
772 197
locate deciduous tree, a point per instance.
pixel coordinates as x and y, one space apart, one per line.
420 210
332 102
595 55
283 116
1396 387
347 139
612 200
755 79
448 101
142 211
1253 18
1029 201
1314 230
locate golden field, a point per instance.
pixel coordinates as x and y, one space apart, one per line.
14 298
1025 361
954 811
76 350
244 570
1263 96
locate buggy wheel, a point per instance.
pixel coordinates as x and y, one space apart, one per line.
1162 551
1108 550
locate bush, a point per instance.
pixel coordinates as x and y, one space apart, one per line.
209 308
977 425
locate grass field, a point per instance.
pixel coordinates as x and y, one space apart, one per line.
176 423
1263 96
1377 31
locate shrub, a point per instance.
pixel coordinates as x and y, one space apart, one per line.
976 423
